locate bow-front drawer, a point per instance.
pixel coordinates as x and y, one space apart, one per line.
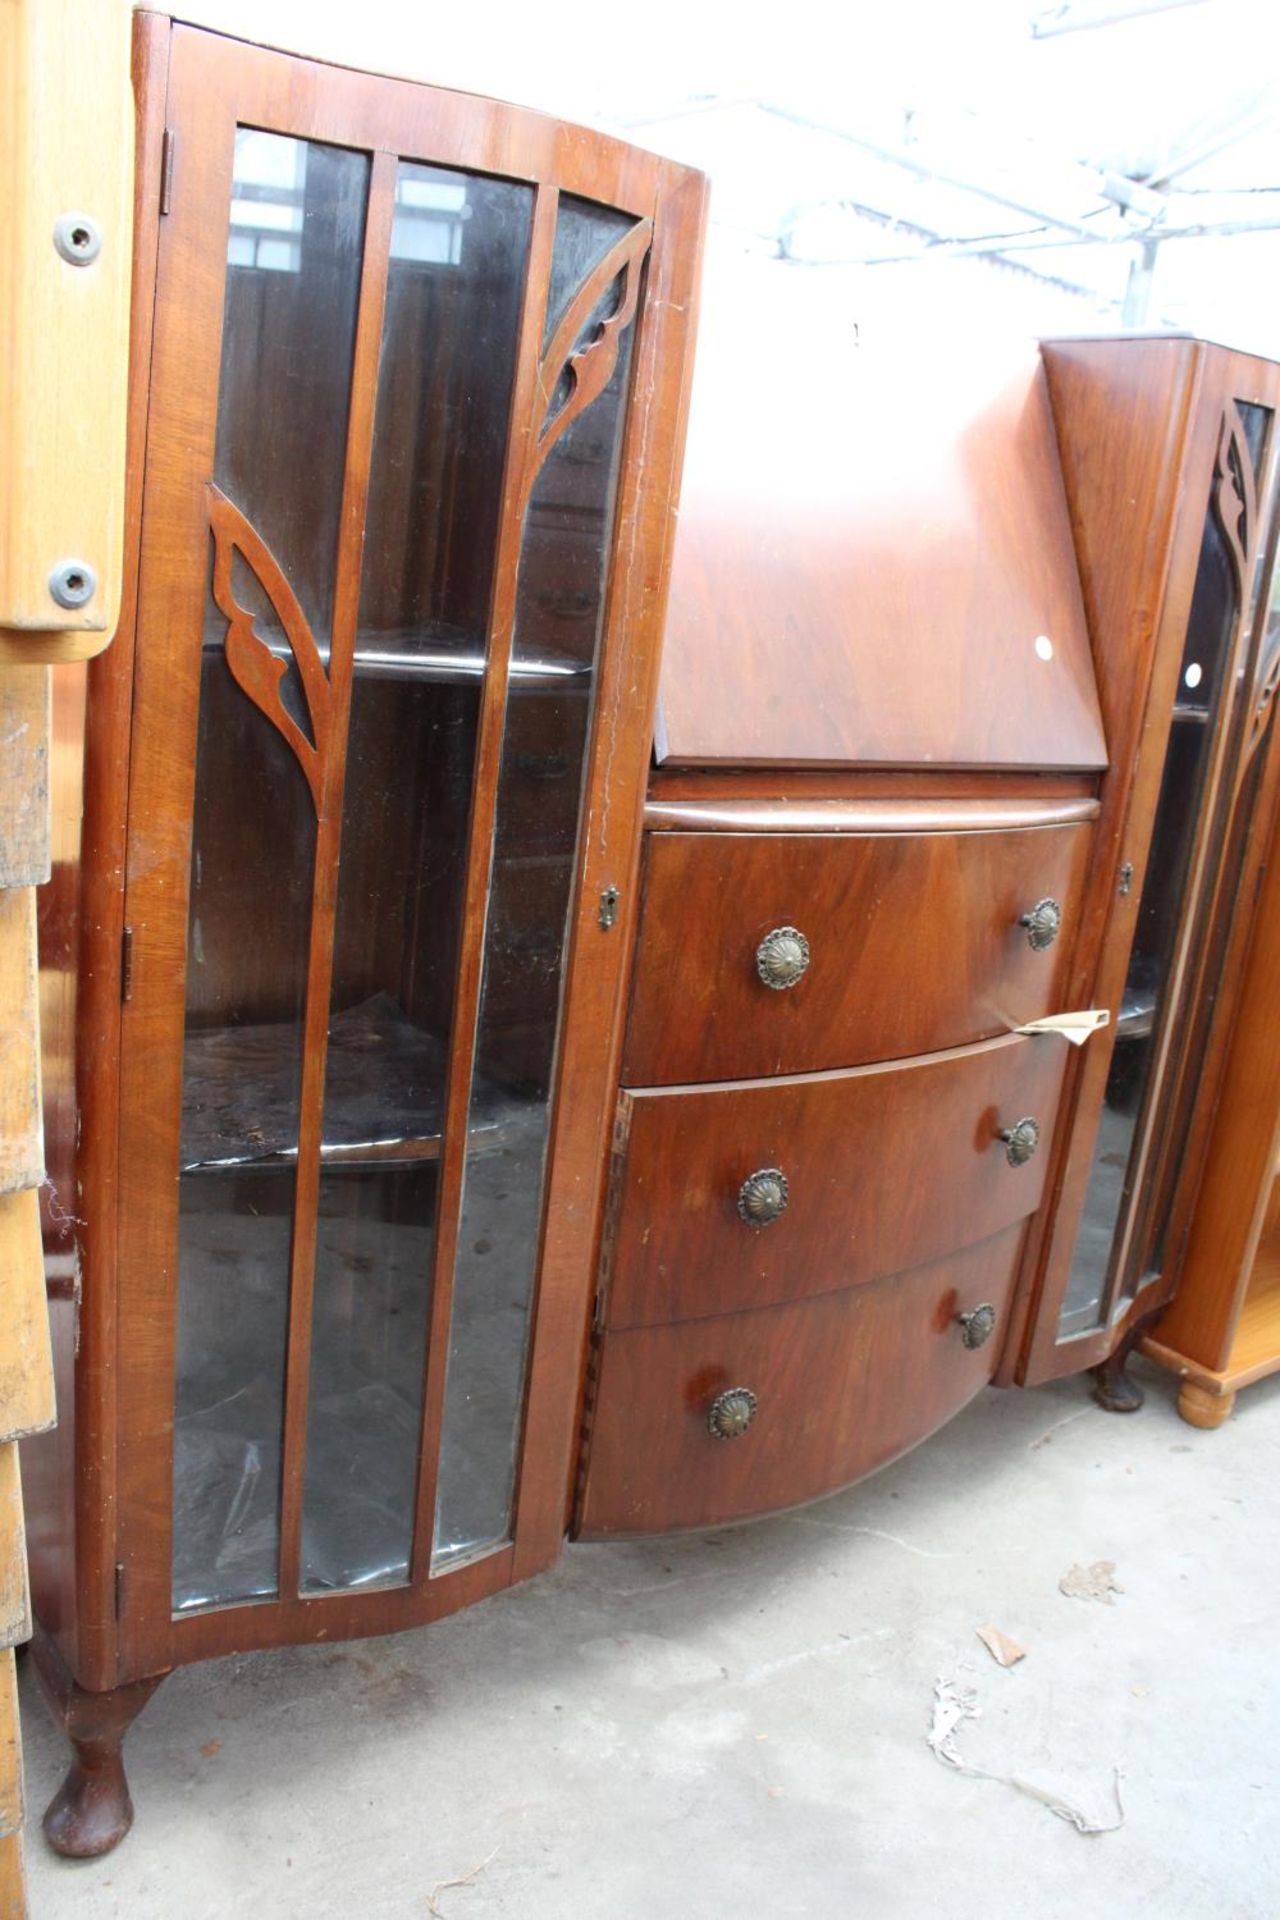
718 1419
767 953
726 1197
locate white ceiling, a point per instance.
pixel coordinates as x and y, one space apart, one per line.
882 147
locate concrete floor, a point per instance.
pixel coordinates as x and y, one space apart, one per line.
735 1723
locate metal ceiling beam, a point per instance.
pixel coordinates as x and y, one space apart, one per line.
875 218
1069 19
923 171
996 244
1259 114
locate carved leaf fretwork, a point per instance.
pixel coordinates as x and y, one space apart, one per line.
256 669
1234 502
589 364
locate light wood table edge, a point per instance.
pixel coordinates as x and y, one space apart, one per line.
1207 1395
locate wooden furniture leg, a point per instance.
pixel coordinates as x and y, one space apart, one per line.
1112 1387
1200 1407
91 1811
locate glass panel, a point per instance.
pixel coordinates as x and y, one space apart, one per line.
559 617
294 247
458 254
1202 683
1255 420
1266 574
584 234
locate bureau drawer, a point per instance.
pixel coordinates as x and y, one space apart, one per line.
884 1168
841 1385
914 944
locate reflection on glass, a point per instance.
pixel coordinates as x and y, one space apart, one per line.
1210 631
288 330
559 618
584 234
458 253
1255 420
1155 1230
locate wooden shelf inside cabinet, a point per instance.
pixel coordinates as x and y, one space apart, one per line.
1138 1008
384 1100
438 655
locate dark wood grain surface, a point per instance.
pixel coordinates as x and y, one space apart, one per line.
915 944
887 1167
844 1383
870 549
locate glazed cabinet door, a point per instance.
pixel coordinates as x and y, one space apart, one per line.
393 528
1146 1087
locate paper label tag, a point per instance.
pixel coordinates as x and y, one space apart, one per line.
1075 1027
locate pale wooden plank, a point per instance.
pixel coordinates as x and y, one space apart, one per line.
26 1367
13 1886
10 1748
66 146
21 1134
15 1600
24 776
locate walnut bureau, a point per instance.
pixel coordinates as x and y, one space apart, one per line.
479 1111
864 869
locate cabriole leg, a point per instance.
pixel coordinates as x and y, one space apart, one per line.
91 1811
1112 1387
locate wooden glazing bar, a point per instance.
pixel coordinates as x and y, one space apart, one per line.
517 479
598 961
346 605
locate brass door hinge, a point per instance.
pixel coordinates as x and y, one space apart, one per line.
126 965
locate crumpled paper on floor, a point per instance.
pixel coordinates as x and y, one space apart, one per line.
1096 1582
953 1704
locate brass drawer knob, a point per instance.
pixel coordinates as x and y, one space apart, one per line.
978 1325
731 1413
782 957
1020 1141
763 1196
1043 924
